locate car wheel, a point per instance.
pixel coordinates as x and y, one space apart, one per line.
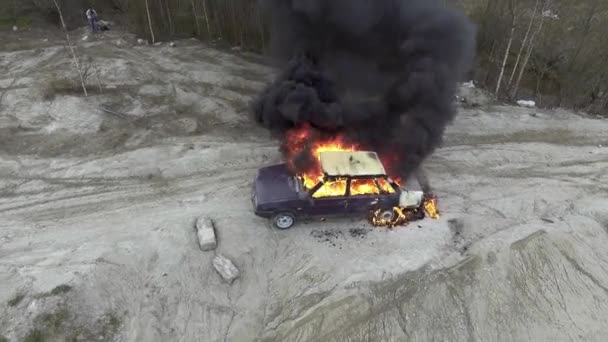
284 220
387 214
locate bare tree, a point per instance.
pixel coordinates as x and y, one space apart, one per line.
527 57
195 14
209 35
523 44
169 17
149 22
508 50
81 72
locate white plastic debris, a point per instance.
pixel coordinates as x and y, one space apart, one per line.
225 268
525 103
205 234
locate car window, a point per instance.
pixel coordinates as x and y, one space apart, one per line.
363 187
385 186
331 189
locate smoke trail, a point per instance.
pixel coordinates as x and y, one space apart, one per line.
383 73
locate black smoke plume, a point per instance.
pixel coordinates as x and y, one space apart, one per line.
382 73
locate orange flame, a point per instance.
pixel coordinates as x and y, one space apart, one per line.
299 140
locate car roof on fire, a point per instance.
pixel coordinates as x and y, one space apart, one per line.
353 164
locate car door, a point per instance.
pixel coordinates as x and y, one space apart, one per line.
330 199
364 196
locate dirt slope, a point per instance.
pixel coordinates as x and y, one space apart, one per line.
97 213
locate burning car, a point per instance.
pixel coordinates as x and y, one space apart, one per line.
351 183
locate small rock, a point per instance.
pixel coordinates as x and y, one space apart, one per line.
15 28
45 40
85 38
225 268
141 41
172 44
236 48
187 125
205 234
158 43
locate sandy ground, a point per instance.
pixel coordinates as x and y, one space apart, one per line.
97 213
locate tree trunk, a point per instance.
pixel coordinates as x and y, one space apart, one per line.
209 36
72 50
583 39
261 24
170 18
218 22
523 44
150 22
486 82
235 24
196 23
527 58
537 93
508 50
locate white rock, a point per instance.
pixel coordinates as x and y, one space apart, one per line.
236 48
141 41
45 40
525 103
158 43
85 38
15 28
205 234
225 268
172 44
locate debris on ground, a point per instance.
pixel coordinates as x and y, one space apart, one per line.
526 103
141 41
205 233
225 268
330 237
359 232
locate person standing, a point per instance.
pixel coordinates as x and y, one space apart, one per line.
92 18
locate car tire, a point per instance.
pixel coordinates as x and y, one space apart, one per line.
284 220
387 214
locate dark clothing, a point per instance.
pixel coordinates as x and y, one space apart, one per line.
92 18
